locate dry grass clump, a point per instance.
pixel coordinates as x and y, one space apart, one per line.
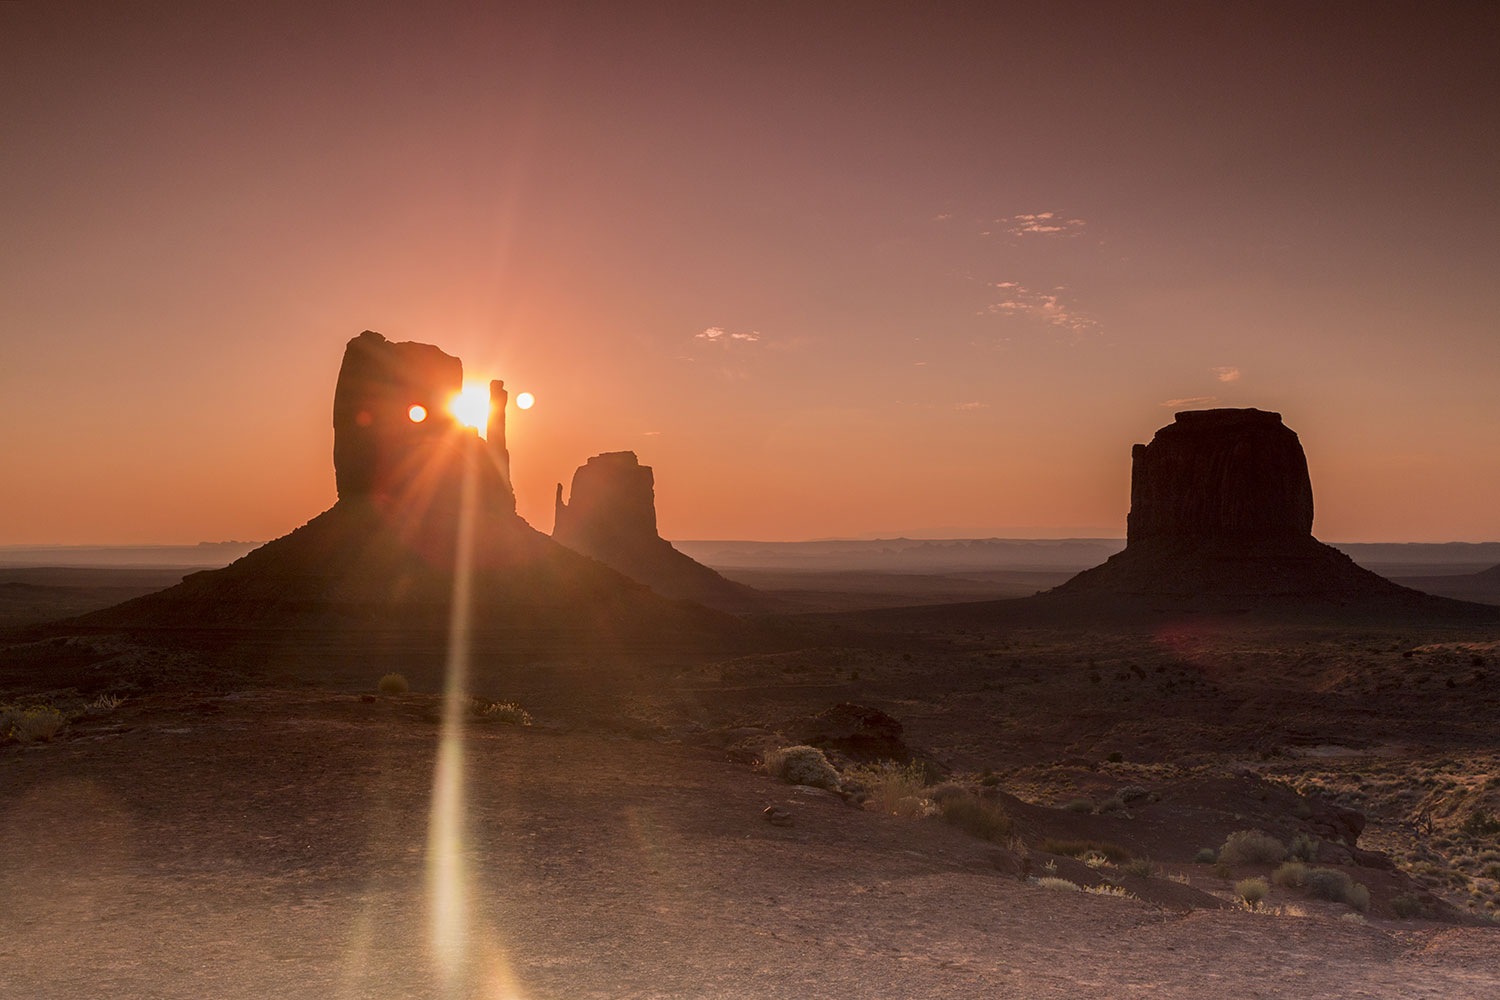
1322 883
1304 847
893 787
393 684
39 723
507 712
1078 848
1252 890
1079 806
1205 856
802 765
1408 905
1251 847
977 817
1053 882
1140 867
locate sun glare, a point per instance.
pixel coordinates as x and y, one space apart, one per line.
417 414
471 407
524 400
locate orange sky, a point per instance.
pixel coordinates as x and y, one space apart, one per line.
832 273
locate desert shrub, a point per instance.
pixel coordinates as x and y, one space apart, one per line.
508 712
1289 875
1251 847
986 820
1079 806
1205 856
1252 890
1110 805
889 784
1115 757
1051 882
1304 847
1140 867
990 780
1130 793
1332 884
1480 823
1113 891
393 684
1352 918
105 703
41 722
802 765
1492 871
9 716
1079 848
1408 905
948 790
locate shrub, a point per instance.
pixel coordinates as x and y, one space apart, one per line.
1359 898
393 684
39 723
105 703
802 765
1112 805
1408 905
1079 806
1252 890
1131 792
890 784
948 790
1051 882
1115 757
1078 848
1113 891
1206 856
1251 847
1352 918
1480 823
508 712
1140 867
977 817
1289 875
1304 847
1332 884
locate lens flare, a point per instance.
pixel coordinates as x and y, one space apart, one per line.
524 400
471 407
417 414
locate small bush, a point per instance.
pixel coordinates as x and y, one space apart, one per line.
1352 918
802 765
1079 806
948 790
1252 890
1334 885
508 712
1140 867
1078 848
105 703
1408 905
1359 898
1290 875
1304 847
1480 823
1110 805
1131 793
979 818
39 723
393 684
1115 757
1051 882
891 784
1251 847
1206 856
1113 891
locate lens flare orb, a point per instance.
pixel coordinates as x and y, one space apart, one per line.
524 400
417 414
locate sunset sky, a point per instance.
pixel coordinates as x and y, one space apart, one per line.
831 269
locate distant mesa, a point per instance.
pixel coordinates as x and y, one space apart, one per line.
415 496
611 516
1221 515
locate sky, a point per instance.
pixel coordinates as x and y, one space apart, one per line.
833 270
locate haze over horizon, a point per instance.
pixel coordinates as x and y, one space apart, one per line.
827 270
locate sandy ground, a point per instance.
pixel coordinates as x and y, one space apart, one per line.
274 844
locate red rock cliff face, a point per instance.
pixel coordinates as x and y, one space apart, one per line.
1220 473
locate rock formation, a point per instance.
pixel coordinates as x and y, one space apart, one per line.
419 494
1221 514
611 516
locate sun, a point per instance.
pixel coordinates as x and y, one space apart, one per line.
471 407
524 400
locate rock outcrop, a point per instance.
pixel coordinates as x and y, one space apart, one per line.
611 516
420 497
1221 514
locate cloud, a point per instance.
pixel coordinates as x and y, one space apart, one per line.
1226 373
970 406
719 335
1191 401
942 217
1042 224
1047 307
651 434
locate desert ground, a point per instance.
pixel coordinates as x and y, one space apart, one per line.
247 815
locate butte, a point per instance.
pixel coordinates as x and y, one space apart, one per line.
611 516
423 502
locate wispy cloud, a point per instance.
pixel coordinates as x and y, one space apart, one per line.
719 335
1042 224
942 217
970 406
1226 373
1191 401
1048 307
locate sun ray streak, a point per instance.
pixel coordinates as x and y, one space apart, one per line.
447 878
